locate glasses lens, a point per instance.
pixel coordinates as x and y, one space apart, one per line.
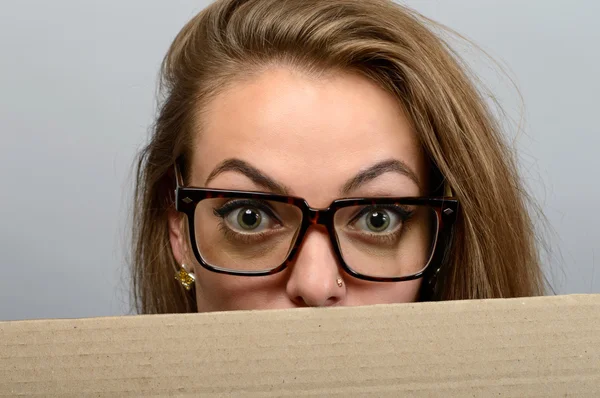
243 234
386 241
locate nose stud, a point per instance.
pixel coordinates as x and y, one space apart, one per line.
339 281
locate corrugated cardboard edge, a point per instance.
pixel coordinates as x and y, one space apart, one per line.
545 346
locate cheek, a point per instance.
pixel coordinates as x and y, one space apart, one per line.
370 293
219 292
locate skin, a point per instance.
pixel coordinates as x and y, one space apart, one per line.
311 135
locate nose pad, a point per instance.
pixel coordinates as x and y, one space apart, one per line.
315 272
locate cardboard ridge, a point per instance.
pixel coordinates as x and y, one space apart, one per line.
542 346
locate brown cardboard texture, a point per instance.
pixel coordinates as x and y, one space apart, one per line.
546 346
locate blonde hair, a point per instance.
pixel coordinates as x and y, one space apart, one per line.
492 253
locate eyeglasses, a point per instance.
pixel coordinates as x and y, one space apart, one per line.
255 234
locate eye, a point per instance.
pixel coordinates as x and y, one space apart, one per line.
381 219
248 216
377 220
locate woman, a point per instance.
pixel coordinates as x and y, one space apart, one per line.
318 153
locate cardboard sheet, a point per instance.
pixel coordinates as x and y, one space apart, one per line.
511 348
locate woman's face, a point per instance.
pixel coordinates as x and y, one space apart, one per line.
310 136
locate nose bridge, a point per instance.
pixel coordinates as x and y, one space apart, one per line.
319 216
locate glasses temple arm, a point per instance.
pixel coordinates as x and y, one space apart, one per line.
178 177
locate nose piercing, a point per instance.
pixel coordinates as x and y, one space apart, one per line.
339 281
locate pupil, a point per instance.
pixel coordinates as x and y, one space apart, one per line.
378 220
249 219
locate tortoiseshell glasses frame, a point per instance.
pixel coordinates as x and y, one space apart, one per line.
186 199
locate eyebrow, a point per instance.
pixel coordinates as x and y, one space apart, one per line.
371 173
254 174
263 180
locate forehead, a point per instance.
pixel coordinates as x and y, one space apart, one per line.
291 125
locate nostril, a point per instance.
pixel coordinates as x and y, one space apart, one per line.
301 301
331 301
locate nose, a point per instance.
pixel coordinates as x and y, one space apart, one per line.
313 280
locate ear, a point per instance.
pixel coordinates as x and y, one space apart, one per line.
177 236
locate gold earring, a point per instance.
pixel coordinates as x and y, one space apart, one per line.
340 282
187 279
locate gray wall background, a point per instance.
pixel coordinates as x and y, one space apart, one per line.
77 87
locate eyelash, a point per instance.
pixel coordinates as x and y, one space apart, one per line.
404 214
228 207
